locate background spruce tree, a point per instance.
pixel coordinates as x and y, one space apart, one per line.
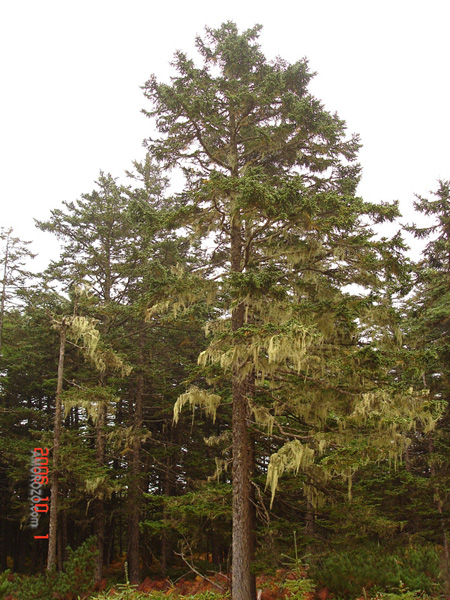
14 253
114 243
427 336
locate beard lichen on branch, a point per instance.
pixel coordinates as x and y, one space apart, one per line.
197 397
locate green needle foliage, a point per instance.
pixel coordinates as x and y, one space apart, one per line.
76 579
313 378
270 183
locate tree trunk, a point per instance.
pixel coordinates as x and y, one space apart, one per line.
120 534
147 558
251 465
166 546
52 531
3 542
243 587
135 492
3 294
309 518
99 505
111 541
438 502
60 545
64 537
99 530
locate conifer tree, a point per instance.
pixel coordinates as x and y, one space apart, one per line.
432 288
99 252
14 253
112 242
270 182
428 341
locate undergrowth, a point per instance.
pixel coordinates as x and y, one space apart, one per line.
77 578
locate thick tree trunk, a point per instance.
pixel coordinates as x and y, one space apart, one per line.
64 534
438 501
135 492
60 554
52 531
243 587
242 508
166 545
252 462
99 505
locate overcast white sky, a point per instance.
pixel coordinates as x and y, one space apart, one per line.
71 74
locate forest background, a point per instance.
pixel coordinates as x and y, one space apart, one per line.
340 381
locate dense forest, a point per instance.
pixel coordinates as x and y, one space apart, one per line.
242 384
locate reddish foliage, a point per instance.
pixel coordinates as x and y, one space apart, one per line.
271 586
145 585
100 585
323 594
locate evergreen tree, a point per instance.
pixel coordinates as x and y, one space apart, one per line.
428 341
98 251
270 181
112 242
14 254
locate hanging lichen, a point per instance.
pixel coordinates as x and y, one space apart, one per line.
196 397
82 330
218 440
291 457
262 416
292 347
221 467
122 439
186 290
101 487
92 400
257 349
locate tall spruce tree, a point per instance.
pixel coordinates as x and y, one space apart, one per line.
112 241
428 341
270 183
98 251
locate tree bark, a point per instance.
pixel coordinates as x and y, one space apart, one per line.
60 545
251 465
99 505
135 491
242 513
309 518
438 501
3 548
3 294
52 531
166 546
243 587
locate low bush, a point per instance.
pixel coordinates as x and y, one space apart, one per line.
76 579
129 592
349 573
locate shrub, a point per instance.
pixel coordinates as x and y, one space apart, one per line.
76 579
299 588
348 573
129 592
